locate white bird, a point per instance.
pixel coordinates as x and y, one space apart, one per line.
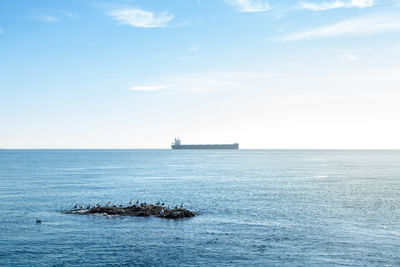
109 204
82 206
169 207
76 206
162 212
176 207
182 205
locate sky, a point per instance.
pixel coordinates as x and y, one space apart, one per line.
274 74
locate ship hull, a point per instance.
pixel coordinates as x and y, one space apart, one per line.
219 146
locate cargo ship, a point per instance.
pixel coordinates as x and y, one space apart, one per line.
177 145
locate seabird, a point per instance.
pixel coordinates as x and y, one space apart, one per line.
182 205
169 207
82 206
162 204
120 205
109 204
138 201
88 207
176 207
115 206
158 203
175 213
130 202
162 212
38 220
76 206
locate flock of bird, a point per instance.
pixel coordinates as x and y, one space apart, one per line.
137 204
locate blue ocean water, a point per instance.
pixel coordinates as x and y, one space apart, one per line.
254 207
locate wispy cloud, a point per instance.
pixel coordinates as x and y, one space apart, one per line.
186 58
347 56
250 5
359 26
211 81
46 18
54 15
147 88
194 48
68 14
141 18
336 4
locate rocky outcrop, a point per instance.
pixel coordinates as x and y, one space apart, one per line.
143 210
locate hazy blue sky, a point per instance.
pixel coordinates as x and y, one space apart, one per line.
136 74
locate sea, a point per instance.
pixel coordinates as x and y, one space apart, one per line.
253 207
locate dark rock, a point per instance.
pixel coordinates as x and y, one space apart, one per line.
143 211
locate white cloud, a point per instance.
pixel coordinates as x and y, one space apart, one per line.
141 18
55 15
347 56
212 81
194 48
336 4
147 88
359 26
250 5
186 58
47 18
71 15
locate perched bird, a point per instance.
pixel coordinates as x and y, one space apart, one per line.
76 206
162 212
158 203
182 205
162 204
115 206
88 207
130 202
38 220
175 213
176 207
169 207
82 206
138 201
109 204
120 205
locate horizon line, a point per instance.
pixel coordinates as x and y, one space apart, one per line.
44 148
